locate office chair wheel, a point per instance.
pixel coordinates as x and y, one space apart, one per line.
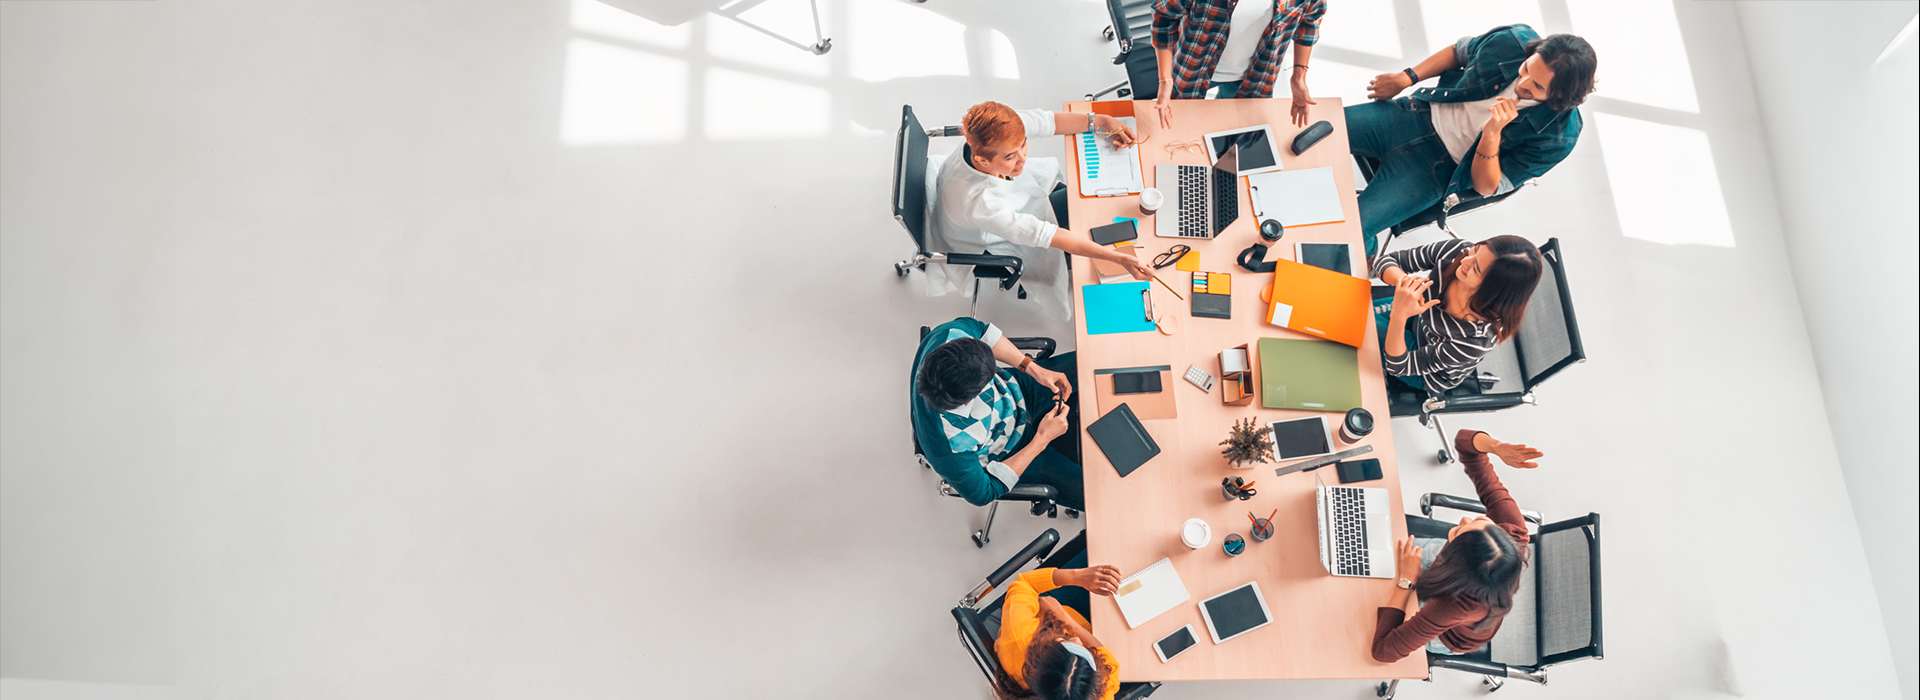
1107 33
1384 690
979 539
826 45
1425 420
1444 456
1074 514
1493 683
1124 92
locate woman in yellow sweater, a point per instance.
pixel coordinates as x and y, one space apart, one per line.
1046 650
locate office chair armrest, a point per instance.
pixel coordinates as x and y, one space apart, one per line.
1044 347
1474 403
1136 691
1468 665
1036 549
1010 262
1073 548
1429 501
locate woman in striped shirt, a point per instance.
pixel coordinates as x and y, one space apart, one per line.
1475 299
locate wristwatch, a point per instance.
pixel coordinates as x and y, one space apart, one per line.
1026 361
1415 77
1405 584
1090 121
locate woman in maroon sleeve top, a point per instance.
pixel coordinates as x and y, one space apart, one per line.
1468 587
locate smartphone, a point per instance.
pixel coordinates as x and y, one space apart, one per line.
1171 645
1136 383
1353 472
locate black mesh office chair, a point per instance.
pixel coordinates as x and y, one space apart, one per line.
1556 615
910 209
1042 499
1453 205
980 624
1548 341
1132 29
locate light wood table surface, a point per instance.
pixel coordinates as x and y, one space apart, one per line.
1323 625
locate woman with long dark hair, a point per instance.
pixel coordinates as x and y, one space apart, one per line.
1465 582
1476 298
1046 650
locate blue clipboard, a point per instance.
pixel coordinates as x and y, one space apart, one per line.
1120 307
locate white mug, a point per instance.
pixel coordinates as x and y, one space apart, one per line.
1151 199
1195 533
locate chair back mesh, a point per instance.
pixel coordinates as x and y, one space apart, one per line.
910 178
1566 595
1514 643
1132 21
1546 339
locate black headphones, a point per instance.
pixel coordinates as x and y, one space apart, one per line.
1251 257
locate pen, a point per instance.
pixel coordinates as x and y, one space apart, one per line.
1169 287
1246 486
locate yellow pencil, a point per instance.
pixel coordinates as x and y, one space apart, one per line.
1169 287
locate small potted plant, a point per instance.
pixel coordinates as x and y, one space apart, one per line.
1248 443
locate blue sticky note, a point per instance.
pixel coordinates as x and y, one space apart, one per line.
1119 307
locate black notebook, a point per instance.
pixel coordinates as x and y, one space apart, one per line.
1123 439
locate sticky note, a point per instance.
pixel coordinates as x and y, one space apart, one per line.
1189 262
1130 587
1219 283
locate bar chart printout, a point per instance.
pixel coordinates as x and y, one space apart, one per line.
1105 171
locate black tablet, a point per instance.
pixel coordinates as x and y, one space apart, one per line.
1236 612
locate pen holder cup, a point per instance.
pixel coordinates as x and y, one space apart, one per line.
1233 545
1262 530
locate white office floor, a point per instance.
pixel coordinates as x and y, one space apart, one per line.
525 349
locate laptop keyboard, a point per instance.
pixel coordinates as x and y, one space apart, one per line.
1350 533
1226 199
1193 202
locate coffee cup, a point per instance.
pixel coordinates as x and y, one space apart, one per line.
1356 426
1195 533
1151 199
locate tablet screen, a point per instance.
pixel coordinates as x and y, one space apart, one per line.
1181 640
1327 256
1301 437
1236 611
1255 150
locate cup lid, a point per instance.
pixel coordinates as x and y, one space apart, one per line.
1359 421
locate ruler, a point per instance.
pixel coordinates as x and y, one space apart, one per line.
1319 462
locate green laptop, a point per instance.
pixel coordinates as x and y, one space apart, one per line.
1312 375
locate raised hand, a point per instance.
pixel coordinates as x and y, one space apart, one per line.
1516 455
1499 115
1410 296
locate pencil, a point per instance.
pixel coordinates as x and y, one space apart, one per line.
1276 511
1246 486
1169 287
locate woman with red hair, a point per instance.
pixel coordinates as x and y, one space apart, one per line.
993 198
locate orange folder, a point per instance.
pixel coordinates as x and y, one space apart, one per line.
1318 302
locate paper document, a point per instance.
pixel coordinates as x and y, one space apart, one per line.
1156 589
1105 172
1296 197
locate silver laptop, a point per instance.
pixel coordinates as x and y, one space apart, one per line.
1356 530
1201 200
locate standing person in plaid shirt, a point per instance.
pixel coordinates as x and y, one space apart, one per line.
1235 46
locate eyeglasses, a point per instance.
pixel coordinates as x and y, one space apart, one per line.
1170 257
1177 145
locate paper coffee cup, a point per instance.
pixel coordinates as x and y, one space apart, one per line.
1151 199
1195 533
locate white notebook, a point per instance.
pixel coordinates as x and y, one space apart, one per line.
1296 197
1156 589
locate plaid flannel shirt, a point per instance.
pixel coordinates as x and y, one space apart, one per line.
1196 31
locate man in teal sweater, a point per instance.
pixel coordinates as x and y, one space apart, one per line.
985 428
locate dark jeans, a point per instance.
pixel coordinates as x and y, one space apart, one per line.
1058 465
1074 596
1415 167
1058 197
1227 90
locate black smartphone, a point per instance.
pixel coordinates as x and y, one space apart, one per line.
1136 383
1359 470
1171 645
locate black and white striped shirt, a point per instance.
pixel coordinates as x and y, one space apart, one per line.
1449 347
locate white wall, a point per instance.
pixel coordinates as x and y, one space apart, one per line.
1841 121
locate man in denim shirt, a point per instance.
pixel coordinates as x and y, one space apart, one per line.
1502 113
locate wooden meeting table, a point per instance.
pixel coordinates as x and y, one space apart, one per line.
1323 625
